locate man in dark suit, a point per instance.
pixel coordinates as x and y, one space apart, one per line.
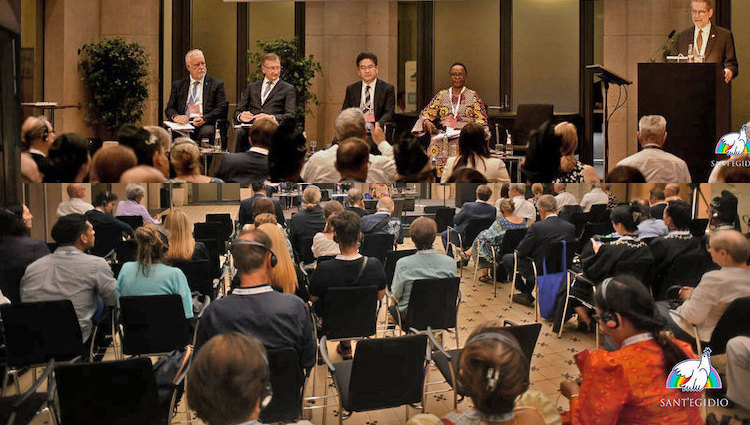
250 166
480 209
714 43
271 98
657 200
102 220
246 206
376 98
198 99
550 228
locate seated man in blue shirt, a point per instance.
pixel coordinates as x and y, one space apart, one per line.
649 227
255 309
425 264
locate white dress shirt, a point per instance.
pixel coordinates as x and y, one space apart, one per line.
493 169
658 166
263 89
73 206
319 168
701 50
595 197
372 96
198 93
523 209
565 198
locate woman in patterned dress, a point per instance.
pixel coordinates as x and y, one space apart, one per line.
451 108
571 169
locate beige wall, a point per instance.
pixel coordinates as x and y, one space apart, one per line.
741 86
69 24
215 32
335 33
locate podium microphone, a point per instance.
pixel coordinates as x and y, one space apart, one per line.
669 38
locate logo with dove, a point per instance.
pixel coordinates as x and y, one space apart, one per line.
734 144
694 375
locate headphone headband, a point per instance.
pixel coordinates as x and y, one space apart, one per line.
492 374
239 241
609 318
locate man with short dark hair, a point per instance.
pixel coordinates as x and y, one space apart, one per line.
255 309
246 216
101 215
479 209
353 160
69 273
376 98
250 166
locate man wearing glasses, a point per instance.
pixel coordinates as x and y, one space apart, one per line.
710 42
376 98
271 98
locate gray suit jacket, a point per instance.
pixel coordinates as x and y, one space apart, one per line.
719 49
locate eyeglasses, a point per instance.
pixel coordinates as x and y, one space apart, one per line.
367 68
272 68
700 12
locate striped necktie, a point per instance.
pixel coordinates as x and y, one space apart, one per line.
266 90
367 106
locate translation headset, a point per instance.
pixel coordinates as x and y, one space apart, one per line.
610 319
274 260
492 376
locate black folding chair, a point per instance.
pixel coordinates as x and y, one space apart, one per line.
153 325
37 332
125 251
287 382
567 211
473 228
209 230
350 312
10 282
698 227
510 241
433 303
599 213
134 221
371 204
444 218
226 221
304 250
391 258
377 245
685 270
108 237
591 229
409 204
199 275
579 219
215 249
22 408
362 384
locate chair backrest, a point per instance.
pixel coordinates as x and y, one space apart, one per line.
409 204
591 229
199 275
404 360
108 237
511 239
287 381
350 312
433 303
118 393
698 227
36 332
734 322
377 245
153 324
553 255
305 250
444 218
134 221
126 251
209 230
391 258
325 195
10 282
473 228
398 208
225 220
528 118
599 213
685 270
643 270
430 209
579 219
526 335
567 211
215 248
371 204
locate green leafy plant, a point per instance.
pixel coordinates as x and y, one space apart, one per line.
296 70
114 73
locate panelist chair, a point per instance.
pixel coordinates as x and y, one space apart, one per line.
528 118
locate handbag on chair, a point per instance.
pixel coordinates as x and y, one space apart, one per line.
548 284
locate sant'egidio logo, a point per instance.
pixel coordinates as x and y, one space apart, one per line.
734 144
694 375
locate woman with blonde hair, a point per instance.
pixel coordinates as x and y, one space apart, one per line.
571 169
185 158
182 246
284 275
148 275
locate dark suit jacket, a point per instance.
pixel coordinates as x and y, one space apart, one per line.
281 102
215 105
98 218
243 167
719 49
541 233
384 101
246 210
42 162
657 211
470 211
17 252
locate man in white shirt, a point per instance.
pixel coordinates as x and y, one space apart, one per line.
656 164
522 207
564 198
76 204
351 123
595 197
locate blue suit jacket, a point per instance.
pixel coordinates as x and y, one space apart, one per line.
470 211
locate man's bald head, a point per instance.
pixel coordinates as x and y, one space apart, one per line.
142 174
76 190
732 241
672 189
385 204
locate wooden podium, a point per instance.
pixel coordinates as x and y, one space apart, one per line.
694 99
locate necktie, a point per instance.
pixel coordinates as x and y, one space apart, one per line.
699 43
366 109
193 96
266 90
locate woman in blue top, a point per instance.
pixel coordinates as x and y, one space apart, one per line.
482 246
148 275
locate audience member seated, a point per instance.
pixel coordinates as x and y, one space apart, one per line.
250 166
355 203
75 203
262 219
142 174
69 159
542 161
704 304
412 162
625 174
612 198
649 227
631 378
672 191
133 206
255 309
678 242
495 374
723 212
738 370
22 212
736 169
263 205
186 162
246 216
658 202
382 222
71 274
473 152
562 197
425 264
29 170
323 243
308 221
352 160
537 190
229 379
286 276
550 229
148 275
17 249
101 216
37 136
351 123
288 152
146 146
162 136
596 196
349 268
657 165
477 210
482 247
524 208
182 246
571 169
467 175
110 162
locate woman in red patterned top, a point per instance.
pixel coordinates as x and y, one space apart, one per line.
628 386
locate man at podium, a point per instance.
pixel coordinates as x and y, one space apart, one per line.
709 42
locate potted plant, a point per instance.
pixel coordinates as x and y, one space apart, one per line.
297 70
114 73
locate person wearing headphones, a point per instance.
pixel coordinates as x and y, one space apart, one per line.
37 135
627 386
148 275
255 309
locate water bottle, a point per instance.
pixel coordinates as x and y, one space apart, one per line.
508 144
690 53
217 140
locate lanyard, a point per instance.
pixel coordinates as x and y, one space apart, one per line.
454 108
255 290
